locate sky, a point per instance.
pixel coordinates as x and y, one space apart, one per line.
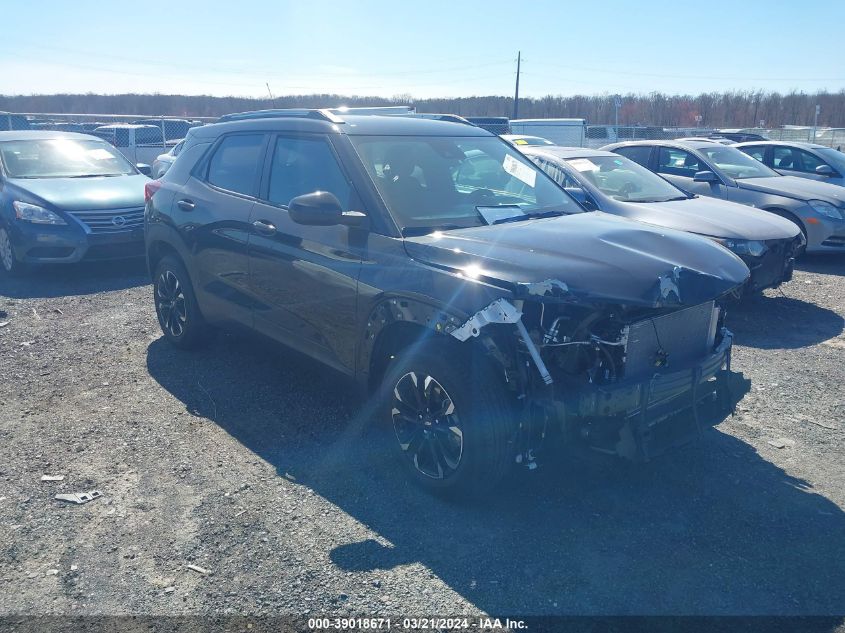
422 49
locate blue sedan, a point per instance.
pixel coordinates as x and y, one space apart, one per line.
67 197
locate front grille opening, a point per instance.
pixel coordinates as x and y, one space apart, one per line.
111 220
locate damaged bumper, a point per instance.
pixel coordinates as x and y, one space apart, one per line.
641 419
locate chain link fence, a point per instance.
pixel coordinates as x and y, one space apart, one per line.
138 136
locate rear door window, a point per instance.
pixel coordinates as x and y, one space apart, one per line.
235 163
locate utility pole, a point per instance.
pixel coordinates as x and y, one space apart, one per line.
617 103
269 92
815 122
516 94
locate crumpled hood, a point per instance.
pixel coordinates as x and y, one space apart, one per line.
592 257
710 216
75 194
799 188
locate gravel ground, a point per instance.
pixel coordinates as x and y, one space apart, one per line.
248 461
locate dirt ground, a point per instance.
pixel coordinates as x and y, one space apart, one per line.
246 460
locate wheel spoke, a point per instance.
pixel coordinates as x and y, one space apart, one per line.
446 452
426 425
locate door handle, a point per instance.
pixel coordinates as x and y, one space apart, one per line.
263 227
186 205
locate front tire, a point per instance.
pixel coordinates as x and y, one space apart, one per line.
9 263
176 306
451 423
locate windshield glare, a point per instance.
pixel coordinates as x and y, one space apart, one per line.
735 163
622 179
434 182
62 158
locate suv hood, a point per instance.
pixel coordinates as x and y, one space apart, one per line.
710 216
590 257
76 194
794 187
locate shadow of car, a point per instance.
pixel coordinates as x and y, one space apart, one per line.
715 530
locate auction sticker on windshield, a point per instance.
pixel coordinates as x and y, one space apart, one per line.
520 171
584 164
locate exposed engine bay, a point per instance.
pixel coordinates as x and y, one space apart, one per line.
606 375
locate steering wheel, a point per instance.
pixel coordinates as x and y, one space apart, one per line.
627 189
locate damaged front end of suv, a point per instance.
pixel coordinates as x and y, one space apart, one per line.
630 354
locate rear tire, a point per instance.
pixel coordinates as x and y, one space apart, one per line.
176 306
450 422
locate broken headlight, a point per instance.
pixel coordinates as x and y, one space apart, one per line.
755 248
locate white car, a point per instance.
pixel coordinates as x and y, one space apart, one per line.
139 143
164 161
523 139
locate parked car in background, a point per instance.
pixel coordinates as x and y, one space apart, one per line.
604 181
739 135
715 139
65 197
570 132
11 121
494 124
522 139
173 128
805 160
139 143
719 171
163 161
479 306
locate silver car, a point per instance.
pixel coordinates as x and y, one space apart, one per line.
719 171
604 181
805 160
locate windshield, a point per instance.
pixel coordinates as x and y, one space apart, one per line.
834 158
735 163
622 179
62 158
431 182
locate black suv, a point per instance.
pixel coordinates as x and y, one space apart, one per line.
483 312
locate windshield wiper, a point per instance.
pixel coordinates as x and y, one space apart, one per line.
90 176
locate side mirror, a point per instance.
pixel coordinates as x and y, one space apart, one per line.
705 176
321 208
824 170
145 169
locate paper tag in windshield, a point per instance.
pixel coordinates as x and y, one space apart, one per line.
520 171
584 164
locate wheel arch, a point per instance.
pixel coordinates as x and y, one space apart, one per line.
788 215
397 323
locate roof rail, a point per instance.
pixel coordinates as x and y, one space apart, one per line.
302 113
453 118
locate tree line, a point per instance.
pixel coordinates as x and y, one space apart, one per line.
715 109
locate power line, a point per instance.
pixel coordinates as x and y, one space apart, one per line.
670 76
